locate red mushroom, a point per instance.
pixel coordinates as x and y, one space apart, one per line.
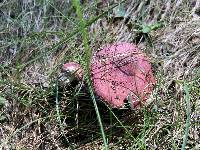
73 68
121 72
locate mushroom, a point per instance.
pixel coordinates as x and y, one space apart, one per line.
120 73
73 68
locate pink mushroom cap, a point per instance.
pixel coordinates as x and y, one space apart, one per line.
74 68
121 71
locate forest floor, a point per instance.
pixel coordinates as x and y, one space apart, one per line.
37 37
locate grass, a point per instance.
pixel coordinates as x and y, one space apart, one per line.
37 37
188 114
86 65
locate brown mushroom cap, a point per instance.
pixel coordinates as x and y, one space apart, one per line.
121 71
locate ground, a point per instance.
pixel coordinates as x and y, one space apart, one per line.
38 112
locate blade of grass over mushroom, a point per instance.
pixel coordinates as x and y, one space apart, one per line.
86 65
188 111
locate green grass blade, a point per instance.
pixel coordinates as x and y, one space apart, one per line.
188 120
66 39
59 117
86 66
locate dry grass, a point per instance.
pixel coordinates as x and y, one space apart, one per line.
37 37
